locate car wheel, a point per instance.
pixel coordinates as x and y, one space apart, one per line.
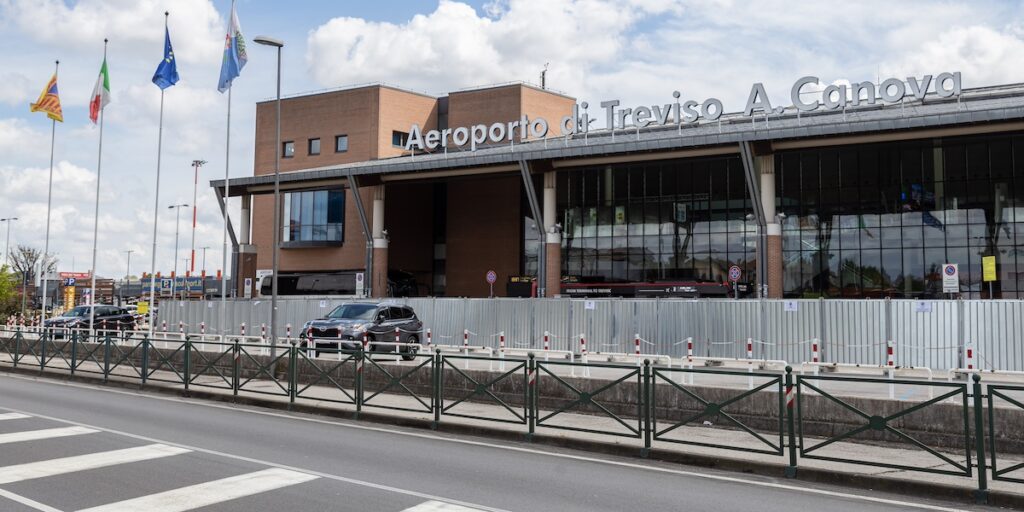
410 352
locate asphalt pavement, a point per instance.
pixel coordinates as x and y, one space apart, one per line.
70 446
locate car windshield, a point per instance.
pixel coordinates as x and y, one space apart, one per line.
80 311
354 312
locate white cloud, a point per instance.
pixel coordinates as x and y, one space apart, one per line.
17 137
16 88
196 27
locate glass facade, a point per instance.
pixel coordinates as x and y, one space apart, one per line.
880 220
673 220
314 216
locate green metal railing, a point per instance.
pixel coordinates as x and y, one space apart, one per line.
1014 472
635 402
583 400
666 378
869 423
483 389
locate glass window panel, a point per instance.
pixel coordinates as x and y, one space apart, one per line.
954 162
892 268
913 236
341 143
314 146
850 273
913 272
871 273
320 207
829 165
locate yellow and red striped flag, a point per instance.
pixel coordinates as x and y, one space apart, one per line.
49 102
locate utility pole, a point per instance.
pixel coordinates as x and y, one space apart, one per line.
127 274
7 245
195 190
177 217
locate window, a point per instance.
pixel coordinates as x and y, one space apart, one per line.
314 146
314 216
399 139
340 143
288 149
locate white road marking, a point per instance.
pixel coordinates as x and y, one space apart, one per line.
439 506
13 416
210 493
721 478
52 467
27 502
48 433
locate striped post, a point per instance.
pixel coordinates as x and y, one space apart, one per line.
430 339
242 329
501 350
164 326
969 353
583 354
889 357
814 351
202 328
636 348
547 345
288 332
750 362
398 340
263 332
465 347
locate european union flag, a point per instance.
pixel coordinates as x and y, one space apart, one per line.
167 72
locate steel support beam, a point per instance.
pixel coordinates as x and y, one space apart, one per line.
753 180
368 278
219 192
531 196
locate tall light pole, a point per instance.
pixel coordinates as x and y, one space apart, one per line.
195 190
204 261
185 293
276 43
7 245
127 274
177 217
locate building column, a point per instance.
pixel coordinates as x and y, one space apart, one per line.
773 230
246 266
552 238
379 279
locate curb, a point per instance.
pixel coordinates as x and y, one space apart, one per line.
906 487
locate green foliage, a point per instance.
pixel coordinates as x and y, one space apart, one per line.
10 296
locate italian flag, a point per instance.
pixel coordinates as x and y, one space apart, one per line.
100 93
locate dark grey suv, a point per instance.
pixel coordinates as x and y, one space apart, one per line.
348 323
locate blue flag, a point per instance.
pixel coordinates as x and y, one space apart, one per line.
234 53
167 72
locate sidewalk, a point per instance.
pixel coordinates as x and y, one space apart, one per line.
322 399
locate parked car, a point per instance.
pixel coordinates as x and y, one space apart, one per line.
106 318
348 323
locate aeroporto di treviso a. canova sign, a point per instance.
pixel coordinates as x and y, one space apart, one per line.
832 97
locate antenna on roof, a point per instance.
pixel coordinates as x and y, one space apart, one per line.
544 77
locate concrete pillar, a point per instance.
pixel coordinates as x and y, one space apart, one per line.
379 279
243 233
773 232
246 269
552 238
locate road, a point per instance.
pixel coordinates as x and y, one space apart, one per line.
68 446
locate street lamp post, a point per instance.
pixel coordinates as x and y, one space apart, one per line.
7 244
177 210
195 190
127 274
276 43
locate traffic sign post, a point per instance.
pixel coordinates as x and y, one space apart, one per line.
950 278
988 272
735 272
492 277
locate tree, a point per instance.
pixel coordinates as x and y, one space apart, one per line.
10 298
26 261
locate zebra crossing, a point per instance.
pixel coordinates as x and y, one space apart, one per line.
43 485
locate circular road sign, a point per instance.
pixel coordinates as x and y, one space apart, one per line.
950 270
492 276
735 273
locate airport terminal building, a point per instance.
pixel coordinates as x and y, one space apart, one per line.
860 191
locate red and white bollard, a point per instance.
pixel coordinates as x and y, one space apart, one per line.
241 329
465 347
398 343
636 348
181 329
969 355
750 362
547 344
501 351
163 327
890 364
430 339
583 354
263 332
288 332
202 328
814 351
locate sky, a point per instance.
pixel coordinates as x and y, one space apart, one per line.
636 51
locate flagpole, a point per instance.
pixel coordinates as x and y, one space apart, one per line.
96 221
224 264
49 202
156 207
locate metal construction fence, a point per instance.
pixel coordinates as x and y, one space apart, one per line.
932 334
650 404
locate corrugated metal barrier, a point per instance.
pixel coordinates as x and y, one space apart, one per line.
932 334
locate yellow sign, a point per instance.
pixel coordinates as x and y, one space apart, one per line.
143 307
69 297
988 268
